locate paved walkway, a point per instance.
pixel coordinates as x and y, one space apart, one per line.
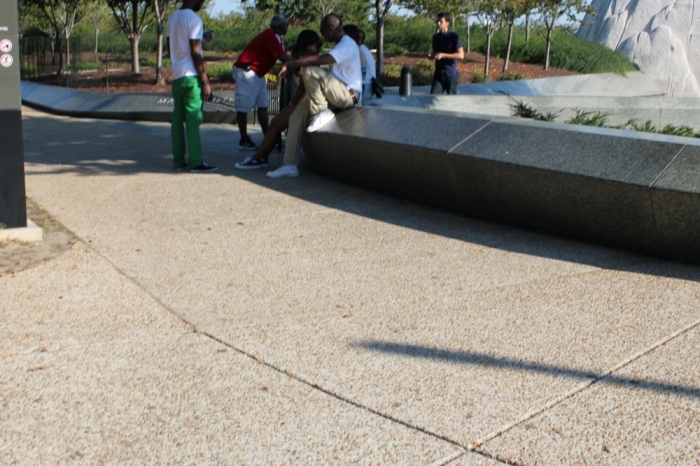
233 319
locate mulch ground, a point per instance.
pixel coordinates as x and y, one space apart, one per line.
144 82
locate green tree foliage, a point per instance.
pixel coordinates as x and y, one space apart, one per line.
96 13
133 17
160 10
552 10
488 12
61 15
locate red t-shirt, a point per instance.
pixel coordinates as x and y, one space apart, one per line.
262 52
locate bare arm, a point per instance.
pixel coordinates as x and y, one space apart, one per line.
196 52
311 60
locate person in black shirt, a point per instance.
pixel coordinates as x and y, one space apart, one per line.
447 49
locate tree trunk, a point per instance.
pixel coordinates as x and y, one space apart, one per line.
135 36
59 73
468 36
380 36
488 52
134 39
160 81
510 43
527 27
67 49
549 48
97 38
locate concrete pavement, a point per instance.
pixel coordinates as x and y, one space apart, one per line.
229 318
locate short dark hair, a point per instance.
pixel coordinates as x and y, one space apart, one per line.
352 31
445 16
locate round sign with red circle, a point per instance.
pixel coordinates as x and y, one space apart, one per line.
5 45
6 60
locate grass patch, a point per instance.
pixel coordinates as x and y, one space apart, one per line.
479 77
600 120
85 65
511 76
421 73
152 62
589 118
568 52
523 110
222 72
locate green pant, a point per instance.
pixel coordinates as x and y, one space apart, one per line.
187 116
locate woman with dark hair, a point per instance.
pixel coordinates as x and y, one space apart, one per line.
308 43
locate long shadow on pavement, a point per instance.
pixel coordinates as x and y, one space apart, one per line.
476 359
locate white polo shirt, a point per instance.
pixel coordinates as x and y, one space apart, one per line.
347 65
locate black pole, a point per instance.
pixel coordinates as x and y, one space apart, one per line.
13 203
406 84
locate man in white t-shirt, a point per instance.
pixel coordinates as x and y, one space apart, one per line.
326 91
190 84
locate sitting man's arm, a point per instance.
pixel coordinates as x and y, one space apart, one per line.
311 60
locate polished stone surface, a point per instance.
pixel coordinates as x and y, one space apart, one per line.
144 107
586 183
633 84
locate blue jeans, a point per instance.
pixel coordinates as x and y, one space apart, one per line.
447 83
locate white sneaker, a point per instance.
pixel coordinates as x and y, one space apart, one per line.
320 120
285 171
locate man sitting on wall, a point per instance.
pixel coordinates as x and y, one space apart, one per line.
338 89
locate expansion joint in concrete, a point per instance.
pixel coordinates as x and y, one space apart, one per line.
243 352
570 394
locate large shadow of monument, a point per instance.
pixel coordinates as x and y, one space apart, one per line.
99 148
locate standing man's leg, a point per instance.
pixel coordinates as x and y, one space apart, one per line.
437 85
292 151
262 102
263 119
193 118
177 127
244 99
242 120
453 80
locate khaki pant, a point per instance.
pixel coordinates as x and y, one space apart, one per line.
323 90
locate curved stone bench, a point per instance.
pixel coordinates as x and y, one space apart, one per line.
634 191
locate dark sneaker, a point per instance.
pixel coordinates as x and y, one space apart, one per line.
251 164
247 144
203 167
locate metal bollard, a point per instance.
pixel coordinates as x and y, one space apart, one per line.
405 86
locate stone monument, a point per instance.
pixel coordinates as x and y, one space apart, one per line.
13 207
658 35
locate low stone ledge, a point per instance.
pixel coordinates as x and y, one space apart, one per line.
639 192
119 106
